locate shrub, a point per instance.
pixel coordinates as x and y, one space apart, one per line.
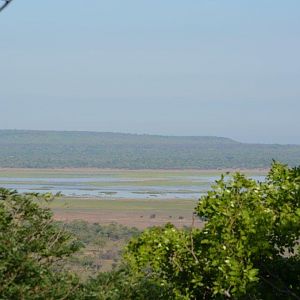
31 246
247 248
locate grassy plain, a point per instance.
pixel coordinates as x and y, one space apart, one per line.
133 213
138 213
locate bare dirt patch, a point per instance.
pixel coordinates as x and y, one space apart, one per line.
138 219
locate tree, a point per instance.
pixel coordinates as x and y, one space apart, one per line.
247 248
31 247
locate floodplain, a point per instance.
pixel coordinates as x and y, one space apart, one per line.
134 198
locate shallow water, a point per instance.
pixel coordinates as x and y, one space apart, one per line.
123 189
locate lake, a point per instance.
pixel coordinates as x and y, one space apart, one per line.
116 184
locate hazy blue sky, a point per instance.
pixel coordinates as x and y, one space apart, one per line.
193 67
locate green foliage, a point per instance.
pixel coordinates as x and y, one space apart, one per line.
103 246
50 149
95 233
31 246
122 284
247 248
167 256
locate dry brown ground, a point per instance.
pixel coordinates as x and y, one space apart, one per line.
138 219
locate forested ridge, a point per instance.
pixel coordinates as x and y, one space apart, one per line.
56 149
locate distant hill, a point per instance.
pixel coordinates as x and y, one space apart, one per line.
61 149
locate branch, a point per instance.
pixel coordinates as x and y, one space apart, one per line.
286 291
192 240
3 5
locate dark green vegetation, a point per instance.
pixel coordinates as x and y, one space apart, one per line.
49 149
102 249
248 248
31 249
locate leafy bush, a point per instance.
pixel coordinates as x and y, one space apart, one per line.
247 248
31 246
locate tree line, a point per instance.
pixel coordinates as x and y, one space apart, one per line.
49 149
